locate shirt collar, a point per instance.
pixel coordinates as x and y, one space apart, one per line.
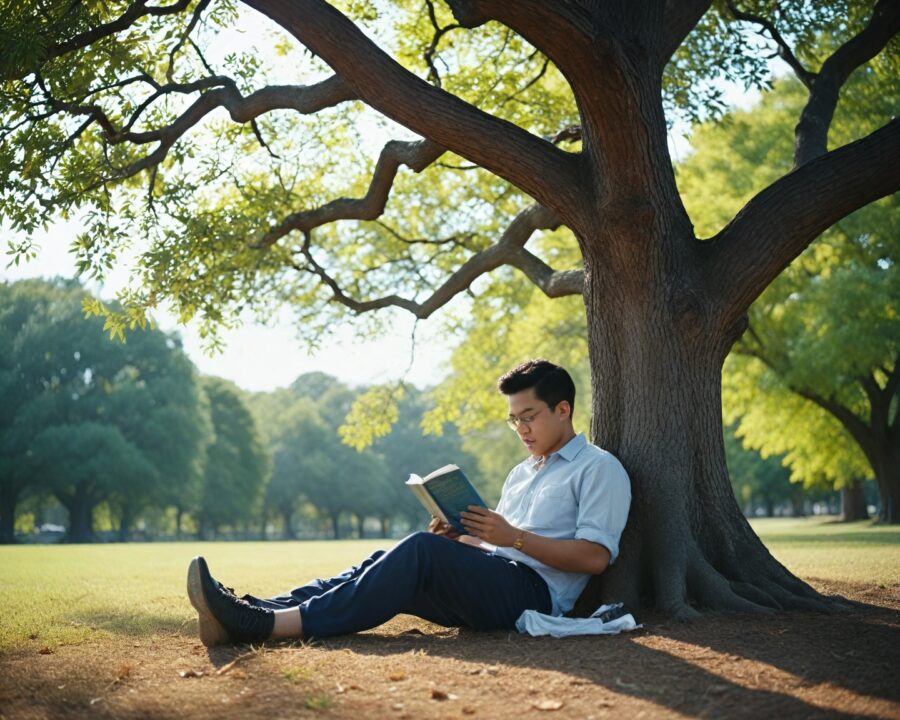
573 447
567 451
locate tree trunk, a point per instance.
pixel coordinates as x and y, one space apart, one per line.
287 516
335 524
853 502
81 516
770 507
8 501
887 476
385 527
359 521
178 517
125 522
657 407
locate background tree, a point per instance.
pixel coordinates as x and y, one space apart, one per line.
407 449
137 402
565 102
816 375
237 464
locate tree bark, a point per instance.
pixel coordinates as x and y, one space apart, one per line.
853 502
385 527
335 524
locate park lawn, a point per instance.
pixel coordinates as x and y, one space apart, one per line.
821 548
66 594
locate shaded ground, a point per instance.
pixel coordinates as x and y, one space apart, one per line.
793 665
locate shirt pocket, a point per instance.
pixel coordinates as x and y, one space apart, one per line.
554 509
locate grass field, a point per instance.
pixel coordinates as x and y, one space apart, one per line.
67 594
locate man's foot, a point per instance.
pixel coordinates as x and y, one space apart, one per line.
223 617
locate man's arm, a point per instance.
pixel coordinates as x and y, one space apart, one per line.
582 556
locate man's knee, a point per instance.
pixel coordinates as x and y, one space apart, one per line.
421 545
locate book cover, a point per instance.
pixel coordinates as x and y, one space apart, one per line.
445 493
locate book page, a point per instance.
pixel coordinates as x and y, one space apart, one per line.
416 484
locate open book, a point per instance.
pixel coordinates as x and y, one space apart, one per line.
445 493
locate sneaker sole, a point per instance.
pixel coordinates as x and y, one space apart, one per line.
212 632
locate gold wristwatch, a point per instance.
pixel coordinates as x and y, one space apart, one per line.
520 541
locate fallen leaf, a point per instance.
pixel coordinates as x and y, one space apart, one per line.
340 688
397 676
95 700
468 710
33 636
438 694
238 675
123 672
191 673
492 670
397 706
548 704
45 650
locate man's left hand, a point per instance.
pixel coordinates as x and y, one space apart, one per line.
489 526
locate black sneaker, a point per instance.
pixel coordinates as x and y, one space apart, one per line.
224 618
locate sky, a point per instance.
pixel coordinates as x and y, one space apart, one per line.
263 358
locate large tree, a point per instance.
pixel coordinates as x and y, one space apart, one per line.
563 102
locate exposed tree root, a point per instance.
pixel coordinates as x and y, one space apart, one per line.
712 590
755 594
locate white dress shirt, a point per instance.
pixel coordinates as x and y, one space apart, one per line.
580 492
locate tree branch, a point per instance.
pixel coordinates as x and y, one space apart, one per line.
785 52
532 164
304 99
811 135
681 16
134 12
777 224
509 250
858 429
417 155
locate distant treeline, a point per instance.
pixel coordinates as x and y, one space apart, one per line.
123 440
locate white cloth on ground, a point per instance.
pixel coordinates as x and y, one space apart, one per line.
533 623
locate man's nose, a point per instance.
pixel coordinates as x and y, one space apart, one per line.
522 429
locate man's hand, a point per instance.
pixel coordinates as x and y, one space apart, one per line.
489 526
437 527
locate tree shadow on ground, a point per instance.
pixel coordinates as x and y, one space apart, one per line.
713 667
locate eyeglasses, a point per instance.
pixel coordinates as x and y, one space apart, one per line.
526 420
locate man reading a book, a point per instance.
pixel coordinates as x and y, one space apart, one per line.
560 516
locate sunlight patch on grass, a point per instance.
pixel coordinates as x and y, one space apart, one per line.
817 547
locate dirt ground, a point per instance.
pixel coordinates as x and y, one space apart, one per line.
792 665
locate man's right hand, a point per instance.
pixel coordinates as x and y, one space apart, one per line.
438 527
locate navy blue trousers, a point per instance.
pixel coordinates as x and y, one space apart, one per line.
427 575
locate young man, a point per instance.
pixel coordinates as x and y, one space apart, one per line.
560 516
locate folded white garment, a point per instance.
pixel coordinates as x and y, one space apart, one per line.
532 622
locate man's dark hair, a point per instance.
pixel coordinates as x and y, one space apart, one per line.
551 383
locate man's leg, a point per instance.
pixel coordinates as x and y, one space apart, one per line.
295 597
435 578
427 575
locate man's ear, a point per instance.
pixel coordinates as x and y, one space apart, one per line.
565 407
